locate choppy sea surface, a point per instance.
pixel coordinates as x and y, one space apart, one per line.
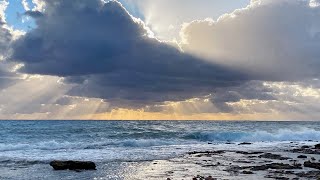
120 148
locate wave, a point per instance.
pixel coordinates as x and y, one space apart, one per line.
257 136
54 145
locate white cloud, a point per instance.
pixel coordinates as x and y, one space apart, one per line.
162 14
276 40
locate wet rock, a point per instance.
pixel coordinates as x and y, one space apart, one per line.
305 147
312 165
306 150
73 165
302 157
206 152
247 172
309 174
248 153
244 161
273 156
244 143
277 177
317 146
235 168
210 178
275 166
198 177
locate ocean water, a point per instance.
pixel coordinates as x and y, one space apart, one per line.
120 147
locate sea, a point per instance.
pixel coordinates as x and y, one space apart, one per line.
122 148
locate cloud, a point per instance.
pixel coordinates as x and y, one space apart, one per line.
274 39
99 51
165 26
106 53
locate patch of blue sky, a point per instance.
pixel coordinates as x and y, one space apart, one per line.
15 16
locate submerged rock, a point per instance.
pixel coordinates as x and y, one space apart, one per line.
73 165
312 165
302 157
309 174
276 166
247 172
276 177
273 156
248 153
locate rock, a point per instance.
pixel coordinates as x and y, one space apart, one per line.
273 156
206 153
305 147
247 172
312 165
306 151
277 177
302 157
244 143
317 146
73 165
248 153
235 168
210 178
275 166
309 174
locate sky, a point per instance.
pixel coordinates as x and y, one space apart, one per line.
160 60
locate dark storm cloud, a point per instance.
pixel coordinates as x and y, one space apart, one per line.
5 39
106 53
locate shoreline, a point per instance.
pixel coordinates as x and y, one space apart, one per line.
248 162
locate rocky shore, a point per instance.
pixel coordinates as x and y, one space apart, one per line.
295 162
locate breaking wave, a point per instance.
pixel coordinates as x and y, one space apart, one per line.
258 136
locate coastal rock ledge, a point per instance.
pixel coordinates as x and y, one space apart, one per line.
73 165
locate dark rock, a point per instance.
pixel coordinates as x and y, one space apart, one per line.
306 151
309 174
302 157
312 165
273 156
317 146
275 166
248 153
200 153
210 178
247 172
305 147
244 161
277 177
73 165
244 143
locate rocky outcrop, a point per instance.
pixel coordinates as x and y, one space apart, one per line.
73 165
